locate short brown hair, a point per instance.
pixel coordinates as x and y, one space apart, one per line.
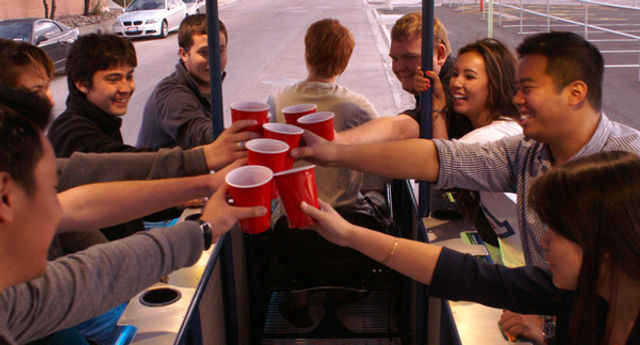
328 47
15 55
410 25
196 25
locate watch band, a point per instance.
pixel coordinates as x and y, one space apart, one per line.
205 227
549 330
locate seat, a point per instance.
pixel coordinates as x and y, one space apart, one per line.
301 260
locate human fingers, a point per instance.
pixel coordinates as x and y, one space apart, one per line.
330 224
238 126
242 137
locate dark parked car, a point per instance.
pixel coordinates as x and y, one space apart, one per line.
53 37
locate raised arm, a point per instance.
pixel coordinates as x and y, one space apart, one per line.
100 205
413 158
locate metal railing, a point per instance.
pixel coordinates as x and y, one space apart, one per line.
585 24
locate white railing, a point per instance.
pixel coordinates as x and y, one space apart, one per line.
585 23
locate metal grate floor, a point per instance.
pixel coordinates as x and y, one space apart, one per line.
372 314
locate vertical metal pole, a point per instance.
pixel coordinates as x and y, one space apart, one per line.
586 21
490 19
227 273
548 18
421 322
425 97
214 67
520 17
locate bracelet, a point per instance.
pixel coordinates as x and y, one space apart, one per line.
393 250
437 112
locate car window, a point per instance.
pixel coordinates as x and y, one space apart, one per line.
16 31
47 29
140 5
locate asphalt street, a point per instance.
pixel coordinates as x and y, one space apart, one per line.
266 50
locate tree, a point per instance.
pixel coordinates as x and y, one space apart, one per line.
87 7
49 14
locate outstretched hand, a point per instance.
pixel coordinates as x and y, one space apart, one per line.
315 149
330 224
217 179
223 216
229 146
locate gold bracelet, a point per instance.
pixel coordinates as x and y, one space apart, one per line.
393 250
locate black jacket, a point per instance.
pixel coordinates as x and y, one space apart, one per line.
86 128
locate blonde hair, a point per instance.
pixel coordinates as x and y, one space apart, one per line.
411 24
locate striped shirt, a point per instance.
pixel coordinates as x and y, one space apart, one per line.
513 163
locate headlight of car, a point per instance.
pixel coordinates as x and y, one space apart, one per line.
151 21
117 23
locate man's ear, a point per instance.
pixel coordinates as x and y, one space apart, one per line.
7 188
183 54
441 54
577 92
83 86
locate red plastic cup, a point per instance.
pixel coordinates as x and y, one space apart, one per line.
250 111
290 134
297 185
250 186
319 123
293 112
270 153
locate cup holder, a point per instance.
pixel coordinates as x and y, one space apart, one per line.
193 216
160 297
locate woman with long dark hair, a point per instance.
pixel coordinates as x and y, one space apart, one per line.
592 208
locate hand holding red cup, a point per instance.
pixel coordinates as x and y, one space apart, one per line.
250 186
297 185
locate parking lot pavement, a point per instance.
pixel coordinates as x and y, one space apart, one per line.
107 25
466 23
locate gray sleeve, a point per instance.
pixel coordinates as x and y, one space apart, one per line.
488 167
272 109
180 114
82 285
84 168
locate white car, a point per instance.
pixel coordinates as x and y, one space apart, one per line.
150 18
195 6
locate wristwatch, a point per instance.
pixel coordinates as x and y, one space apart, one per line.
549 330
205 227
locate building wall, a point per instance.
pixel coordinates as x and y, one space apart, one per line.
34 8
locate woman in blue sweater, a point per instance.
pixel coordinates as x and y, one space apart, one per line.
592 285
